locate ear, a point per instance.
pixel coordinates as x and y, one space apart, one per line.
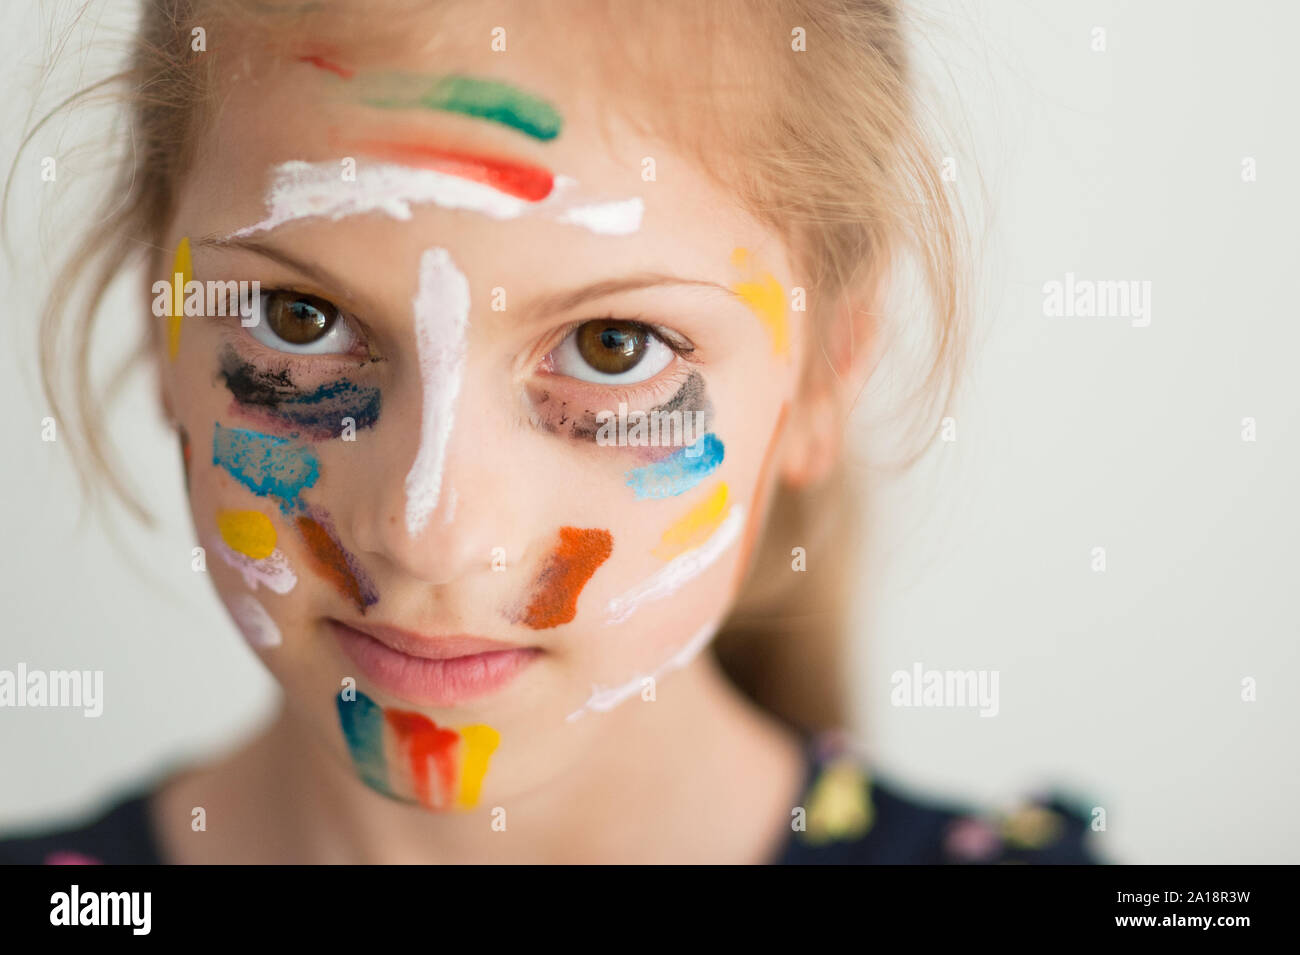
842 357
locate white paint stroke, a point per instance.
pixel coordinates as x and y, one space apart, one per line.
273 572
303 190
441 307
604 700
255 623
680 570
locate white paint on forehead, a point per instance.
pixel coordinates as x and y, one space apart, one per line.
604 700
302 190
680 570
441 308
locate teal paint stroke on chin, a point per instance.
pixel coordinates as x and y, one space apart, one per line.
362 721
679 472
491 100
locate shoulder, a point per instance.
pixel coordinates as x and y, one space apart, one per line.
119 835
850 816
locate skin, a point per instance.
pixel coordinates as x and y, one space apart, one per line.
698 775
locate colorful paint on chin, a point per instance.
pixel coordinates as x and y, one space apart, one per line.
333 562
275 401
765 298
268 466
444 767
568 567
679 472
479 98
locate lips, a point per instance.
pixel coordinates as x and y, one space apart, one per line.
441 671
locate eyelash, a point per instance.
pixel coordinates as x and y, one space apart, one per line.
681 347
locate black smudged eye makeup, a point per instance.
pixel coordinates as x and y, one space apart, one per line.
558 415
302 324
275 401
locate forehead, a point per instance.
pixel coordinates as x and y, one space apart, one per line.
537 109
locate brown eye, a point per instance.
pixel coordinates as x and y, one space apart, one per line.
612 347
298 319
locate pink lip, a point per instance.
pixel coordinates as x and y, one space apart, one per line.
432 671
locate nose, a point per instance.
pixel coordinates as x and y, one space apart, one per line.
442 501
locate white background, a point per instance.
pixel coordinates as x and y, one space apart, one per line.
1123 687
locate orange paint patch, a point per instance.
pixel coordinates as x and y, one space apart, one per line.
335 564
579 554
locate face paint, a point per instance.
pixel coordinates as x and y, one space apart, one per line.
603 700
680 570
441 317
322 61
362 721
566 571
521 180
334 563
251 533
182 273
254 622
695 526
446 767
301 190
765 298
267 466
680 471
273 399
490 100
686 415
272 572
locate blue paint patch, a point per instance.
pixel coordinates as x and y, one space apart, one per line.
679 472
266 465
362 721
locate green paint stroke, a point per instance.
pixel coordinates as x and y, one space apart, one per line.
482 99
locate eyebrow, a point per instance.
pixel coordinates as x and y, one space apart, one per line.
546 304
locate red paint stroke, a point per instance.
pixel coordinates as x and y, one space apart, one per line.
567 570
424 740
321 63
334 563
521 180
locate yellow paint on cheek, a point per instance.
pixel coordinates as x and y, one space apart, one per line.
480 743
695 526
765 298
182 272
251 533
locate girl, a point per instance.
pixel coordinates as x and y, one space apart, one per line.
509 351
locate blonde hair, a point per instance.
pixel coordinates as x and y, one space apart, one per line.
826 144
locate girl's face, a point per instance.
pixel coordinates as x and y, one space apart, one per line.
399 474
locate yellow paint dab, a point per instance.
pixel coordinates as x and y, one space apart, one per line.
182 272
249 532
765 298
480 743
695 526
